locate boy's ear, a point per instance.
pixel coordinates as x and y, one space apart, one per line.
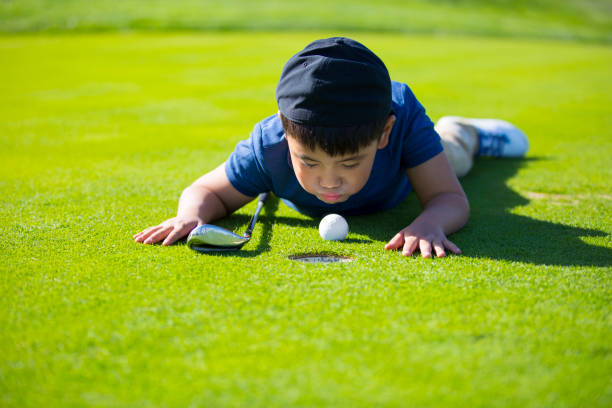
384 138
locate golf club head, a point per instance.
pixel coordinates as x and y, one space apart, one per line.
210 237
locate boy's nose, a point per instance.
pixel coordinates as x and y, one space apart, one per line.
330 181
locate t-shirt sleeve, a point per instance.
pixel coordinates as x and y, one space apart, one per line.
244 168
421 141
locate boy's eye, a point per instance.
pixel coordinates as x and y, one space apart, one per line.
309 165
350 166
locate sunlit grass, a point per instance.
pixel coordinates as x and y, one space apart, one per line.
564 19
100 133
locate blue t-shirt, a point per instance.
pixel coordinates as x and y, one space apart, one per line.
263 163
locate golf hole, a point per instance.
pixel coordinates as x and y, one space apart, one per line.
320 258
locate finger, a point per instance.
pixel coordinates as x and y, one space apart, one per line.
175 235
146 233
147 230
439 249
410 245
453 248
396 242
140 235
142 232
425 247
158 235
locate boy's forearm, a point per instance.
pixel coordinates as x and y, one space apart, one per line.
448 210
198 201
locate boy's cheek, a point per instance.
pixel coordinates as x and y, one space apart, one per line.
303 178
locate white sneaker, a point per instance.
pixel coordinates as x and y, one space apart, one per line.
498 138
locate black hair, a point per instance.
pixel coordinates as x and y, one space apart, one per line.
335 141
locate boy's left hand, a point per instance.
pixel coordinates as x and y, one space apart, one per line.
424 236
445 210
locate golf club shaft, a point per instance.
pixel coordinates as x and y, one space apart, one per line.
260 203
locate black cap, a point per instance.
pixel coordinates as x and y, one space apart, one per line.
334 82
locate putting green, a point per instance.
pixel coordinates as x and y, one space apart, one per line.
100 133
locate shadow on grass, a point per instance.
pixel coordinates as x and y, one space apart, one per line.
495 233
263 229
492 232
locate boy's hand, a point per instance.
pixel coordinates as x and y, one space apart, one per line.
445 210
170 231
424 237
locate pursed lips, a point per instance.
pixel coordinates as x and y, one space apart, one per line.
330 197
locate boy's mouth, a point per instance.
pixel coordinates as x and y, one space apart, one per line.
331 198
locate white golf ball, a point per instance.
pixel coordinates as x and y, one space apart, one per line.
333 227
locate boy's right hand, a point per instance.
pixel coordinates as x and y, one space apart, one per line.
169 231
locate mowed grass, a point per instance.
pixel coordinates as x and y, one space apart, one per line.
100 133
562 19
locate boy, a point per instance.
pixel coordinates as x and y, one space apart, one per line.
348 140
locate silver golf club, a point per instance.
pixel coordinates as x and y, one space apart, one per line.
212 238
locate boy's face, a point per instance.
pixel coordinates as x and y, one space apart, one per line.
333 179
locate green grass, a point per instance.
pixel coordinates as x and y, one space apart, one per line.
100 133
567 19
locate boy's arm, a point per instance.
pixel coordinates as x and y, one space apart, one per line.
209 198
445 210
